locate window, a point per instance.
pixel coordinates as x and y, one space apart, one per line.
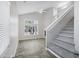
31 27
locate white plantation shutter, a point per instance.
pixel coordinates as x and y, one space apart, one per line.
4 26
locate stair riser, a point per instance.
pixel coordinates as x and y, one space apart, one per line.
67 36
61 52
66 46
70 41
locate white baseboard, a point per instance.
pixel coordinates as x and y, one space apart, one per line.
52 53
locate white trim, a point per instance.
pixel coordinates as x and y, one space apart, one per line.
76 26
31 39
53 53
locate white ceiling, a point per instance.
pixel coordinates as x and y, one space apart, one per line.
36 6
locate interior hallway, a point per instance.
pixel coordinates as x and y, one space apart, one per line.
32 49
24 20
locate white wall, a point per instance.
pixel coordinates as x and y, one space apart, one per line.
49 16
31 16
13 29
4 25
76 25
14 20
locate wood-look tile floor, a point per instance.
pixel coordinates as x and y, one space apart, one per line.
32 49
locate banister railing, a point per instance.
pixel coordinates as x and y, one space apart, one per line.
58 19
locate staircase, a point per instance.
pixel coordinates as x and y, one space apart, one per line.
64 45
